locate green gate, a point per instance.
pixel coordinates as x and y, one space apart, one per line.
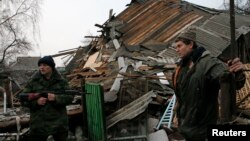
94 100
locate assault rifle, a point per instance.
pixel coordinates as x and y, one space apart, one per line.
33 96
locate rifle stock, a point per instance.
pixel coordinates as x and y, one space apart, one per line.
36 95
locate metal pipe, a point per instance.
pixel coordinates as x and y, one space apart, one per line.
5 102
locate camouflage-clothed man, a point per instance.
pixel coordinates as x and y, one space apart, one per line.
48 114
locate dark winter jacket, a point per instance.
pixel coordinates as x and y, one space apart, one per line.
52 117
197 93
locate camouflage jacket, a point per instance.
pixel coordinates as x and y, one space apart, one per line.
51 117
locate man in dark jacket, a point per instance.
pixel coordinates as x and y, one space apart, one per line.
197 82
48 114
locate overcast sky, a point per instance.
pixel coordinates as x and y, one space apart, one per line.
64 23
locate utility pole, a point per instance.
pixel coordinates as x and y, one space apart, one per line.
228 92
232 28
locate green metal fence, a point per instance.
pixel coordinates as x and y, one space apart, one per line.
95 112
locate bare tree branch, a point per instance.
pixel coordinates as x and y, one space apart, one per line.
16 16
241 6
10 45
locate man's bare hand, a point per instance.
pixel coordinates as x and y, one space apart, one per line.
235 65
51 97
41 101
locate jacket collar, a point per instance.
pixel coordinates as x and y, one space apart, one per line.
55 75
197 53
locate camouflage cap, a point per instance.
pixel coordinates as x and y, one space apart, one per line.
189 34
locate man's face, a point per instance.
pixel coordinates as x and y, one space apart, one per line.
45 69
182 49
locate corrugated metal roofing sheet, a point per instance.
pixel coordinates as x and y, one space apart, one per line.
214 34
212 42
223 19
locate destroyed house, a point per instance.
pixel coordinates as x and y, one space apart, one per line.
130 64
134 55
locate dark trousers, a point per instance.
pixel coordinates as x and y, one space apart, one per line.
57 137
